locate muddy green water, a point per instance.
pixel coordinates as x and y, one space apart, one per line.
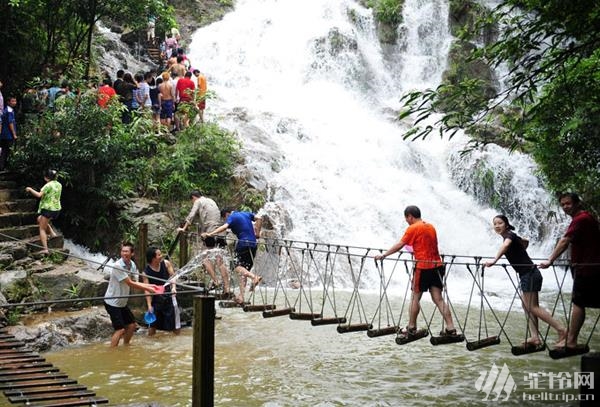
282 362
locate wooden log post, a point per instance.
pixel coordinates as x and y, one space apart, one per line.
203 362
184 256
142 246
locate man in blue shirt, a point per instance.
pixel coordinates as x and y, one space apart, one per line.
8 135
245 226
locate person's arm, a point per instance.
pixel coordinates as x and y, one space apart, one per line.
561 246
171 272
35 193
148 297
258 226
399 245
503 249
13 130
217 231
190 218
141 286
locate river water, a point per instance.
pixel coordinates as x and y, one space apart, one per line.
309 90
281 362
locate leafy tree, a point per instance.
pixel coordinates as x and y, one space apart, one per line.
39 37
549 104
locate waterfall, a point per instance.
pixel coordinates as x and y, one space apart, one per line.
308 88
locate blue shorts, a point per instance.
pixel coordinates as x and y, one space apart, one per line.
166 109
531 281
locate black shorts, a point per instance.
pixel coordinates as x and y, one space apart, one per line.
244 257
49 214
531 282
424 279
211 242
585 290
120 317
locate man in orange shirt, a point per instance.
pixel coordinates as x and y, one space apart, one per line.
201 93
429 269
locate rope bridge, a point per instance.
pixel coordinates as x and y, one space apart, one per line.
330 284
345 286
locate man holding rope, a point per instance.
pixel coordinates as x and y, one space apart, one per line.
583 235
429 270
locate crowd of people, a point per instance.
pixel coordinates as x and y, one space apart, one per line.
171 95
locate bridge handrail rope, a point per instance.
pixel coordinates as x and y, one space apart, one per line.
355 299
406 297
482 319
500 324
279 284
446 293
326 280
300 277
383 296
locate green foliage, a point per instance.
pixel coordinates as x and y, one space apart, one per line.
13 316
101 162
44 37
389 11
73 291
551 49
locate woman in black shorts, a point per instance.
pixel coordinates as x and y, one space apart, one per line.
514 248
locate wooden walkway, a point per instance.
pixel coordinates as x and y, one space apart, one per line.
26 378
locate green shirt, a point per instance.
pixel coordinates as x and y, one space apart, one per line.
50 196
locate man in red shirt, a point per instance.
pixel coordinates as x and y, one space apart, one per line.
583 235
185 96
429 270
105 93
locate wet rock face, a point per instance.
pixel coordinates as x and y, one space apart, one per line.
54 333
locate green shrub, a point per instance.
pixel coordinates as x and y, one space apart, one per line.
101 161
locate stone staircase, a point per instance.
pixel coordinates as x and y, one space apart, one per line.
18 226
153 49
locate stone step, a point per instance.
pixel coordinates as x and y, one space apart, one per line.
19 232
34 244
7 184
17 219
8 176
19 205
11 194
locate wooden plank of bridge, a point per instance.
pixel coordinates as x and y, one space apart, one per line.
87 401
22 364
27 378
52 396
12 374
44 389
43 381
35 376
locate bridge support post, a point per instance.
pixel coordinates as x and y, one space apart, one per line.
203 363
590 362
183 249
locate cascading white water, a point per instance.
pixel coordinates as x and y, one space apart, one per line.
308 88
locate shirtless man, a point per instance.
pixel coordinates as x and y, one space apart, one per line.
165 99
